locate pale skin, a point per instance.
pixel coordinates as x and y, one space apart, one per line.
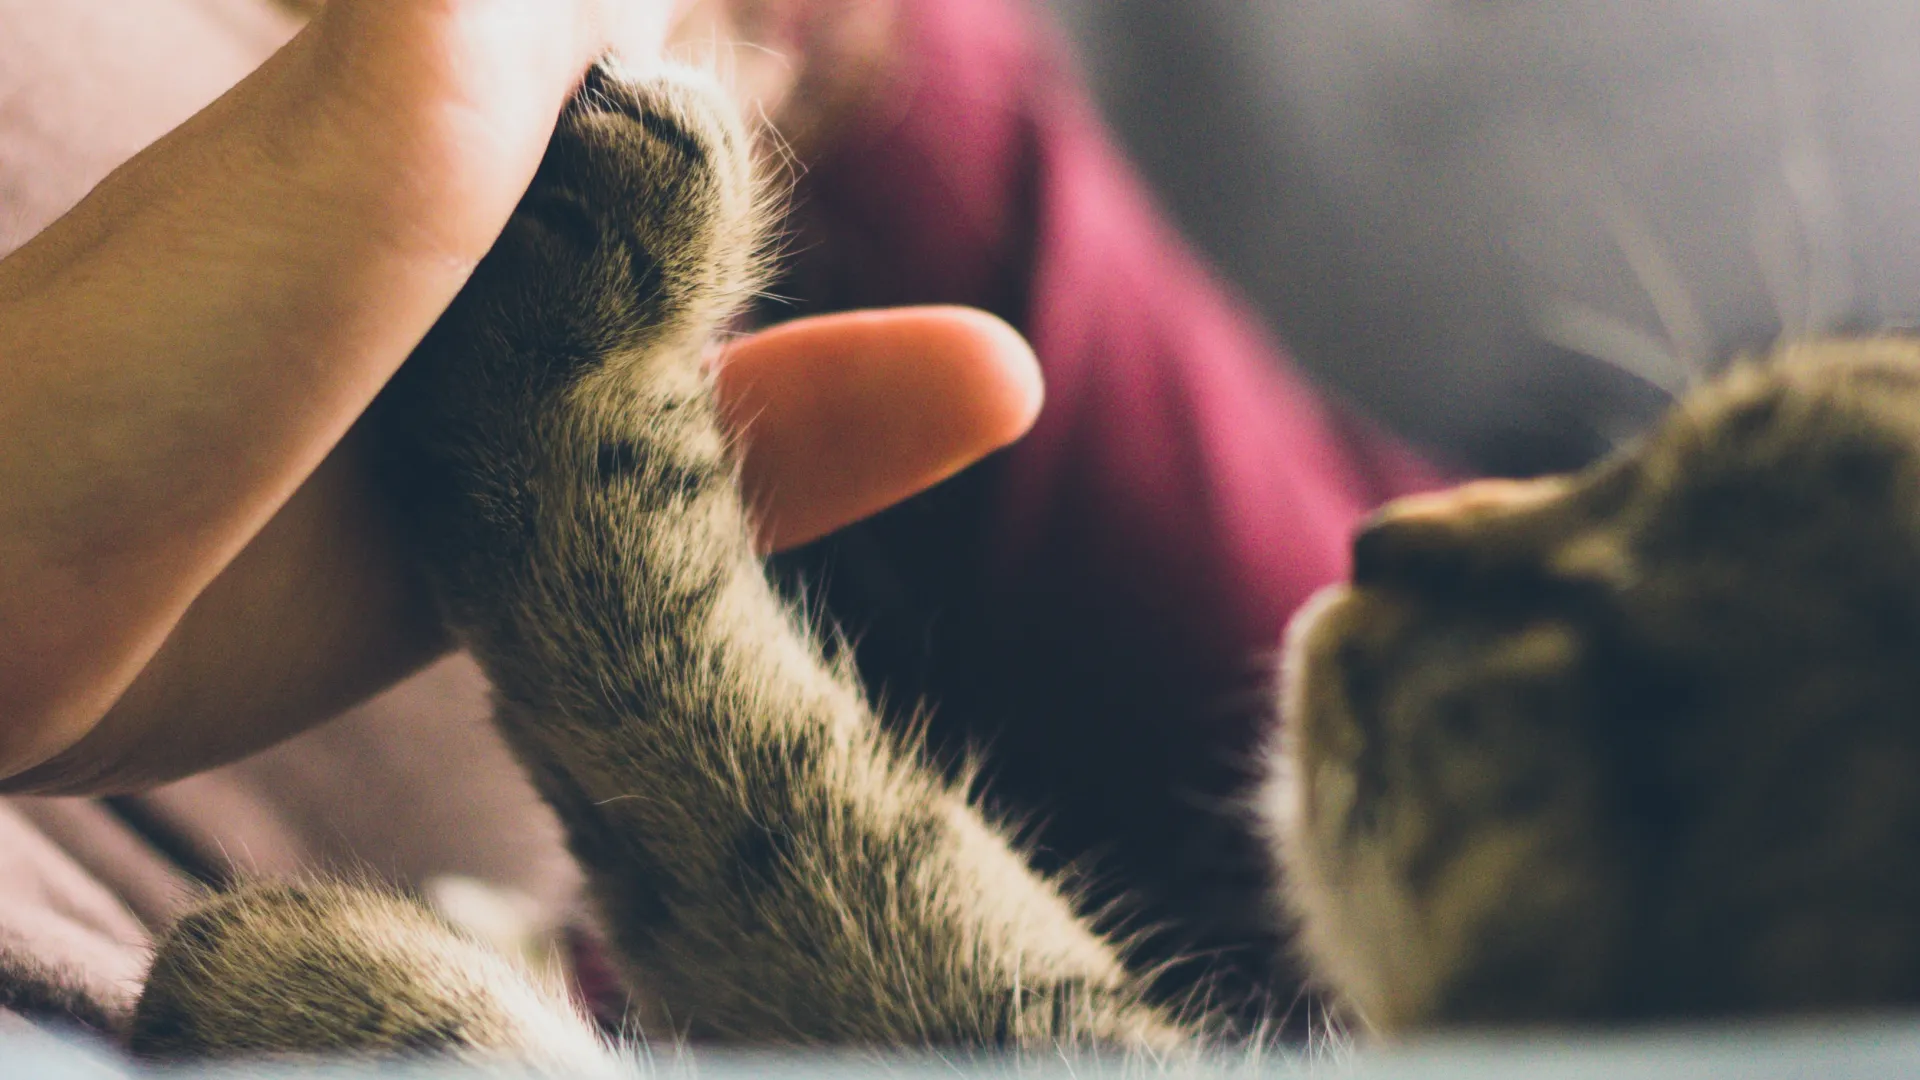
192 562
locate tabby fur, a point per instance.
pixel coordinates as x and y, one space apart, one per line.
768 864
1629 744
1636 743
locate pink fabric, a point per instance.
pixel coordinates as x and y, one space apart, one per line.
1175 433
1099 605
1179 437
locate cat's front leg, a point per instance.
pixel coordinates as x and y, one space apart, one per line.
768 861
331 970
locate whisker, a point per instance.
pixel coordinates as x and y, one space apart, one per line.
1800 232
1690 341
1587 331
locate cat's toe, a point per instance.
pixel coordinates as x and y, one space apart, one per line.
640 233
657 173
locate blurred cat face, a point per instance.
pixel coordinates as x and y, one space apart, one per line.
1634 742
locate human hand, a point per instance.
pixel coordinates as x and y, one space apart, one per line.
186 348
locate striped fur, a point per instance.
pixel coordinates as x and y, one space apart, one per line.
769 865
1634 744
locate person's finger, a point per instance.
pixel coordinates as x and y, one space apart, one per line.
844 415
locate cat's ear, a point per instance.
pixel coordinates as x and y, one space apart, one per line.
1436 539
1556 528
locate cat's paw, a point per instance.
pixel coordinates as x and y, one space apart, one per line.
648 197
338 971
641 230
640 233
577 344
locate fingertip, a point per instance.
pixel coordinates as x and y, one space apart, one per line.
967 368
999 367
844 415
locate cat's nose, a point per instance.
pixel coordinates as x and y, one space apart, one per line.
1428 539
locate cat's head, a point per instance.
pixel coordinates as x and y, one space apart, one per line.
1640 741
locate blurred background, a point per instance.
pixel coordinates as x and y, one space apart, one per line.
1509 229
